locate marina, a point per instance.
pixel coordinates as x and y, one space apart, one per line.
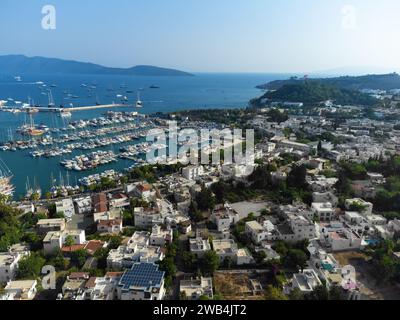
68 134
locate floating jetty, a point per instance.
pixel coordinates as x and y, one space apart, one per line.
72 109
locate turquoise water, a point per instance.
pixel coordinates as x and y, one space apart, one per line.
175 93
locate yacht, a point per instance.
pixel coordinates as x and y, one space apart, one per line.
139 103
65 114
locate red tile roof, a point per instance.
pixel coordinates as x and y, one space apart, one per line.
144 187
109 223
100 203
114 274
79 275
73 248
91 283
93 245
119 196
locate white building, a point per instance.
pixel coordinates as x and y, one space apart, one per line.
52 242
366 207
144 281
113 226
193 172
83 205
145 191
66 207
343 240
137 249
244 257
147 217
305 281
294 145
9 265
46 225
78 236
227 248
21 290
296 228
223 217
199 246
102 288
196 288
324 211
160 237
258 232
322 197
162 212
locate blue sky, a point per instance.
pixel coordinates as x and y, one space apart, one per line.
209 35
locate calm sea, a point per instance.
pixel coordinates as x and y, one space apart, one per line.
174 93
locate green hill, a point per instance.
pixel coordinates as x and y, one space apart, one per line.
311 92
377 82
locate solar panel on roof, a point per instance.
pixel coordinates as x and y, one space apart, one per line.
143 275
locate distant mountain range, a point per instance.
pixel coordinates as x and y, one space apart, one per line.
20 64
383 82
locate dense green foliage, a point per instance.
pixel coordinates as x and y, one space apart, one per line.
30 267
315 92
385 266
151 173
382 82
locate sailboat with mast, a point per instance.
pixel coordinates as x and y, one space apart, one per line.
32 191
6 187
139 103
30 129
51 100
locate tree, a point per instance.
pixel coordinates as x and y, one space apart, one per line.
336 293
296 259
30 267
194 212
209 262
205 199
168 265
115 242
218 297
3 199
272 293
189 260
34 241
319 148
319 293
228 262
69 241
58 261
101 256
78 258
296 295
297 177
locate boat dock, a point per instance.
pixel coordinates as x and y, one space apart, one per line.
72 109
